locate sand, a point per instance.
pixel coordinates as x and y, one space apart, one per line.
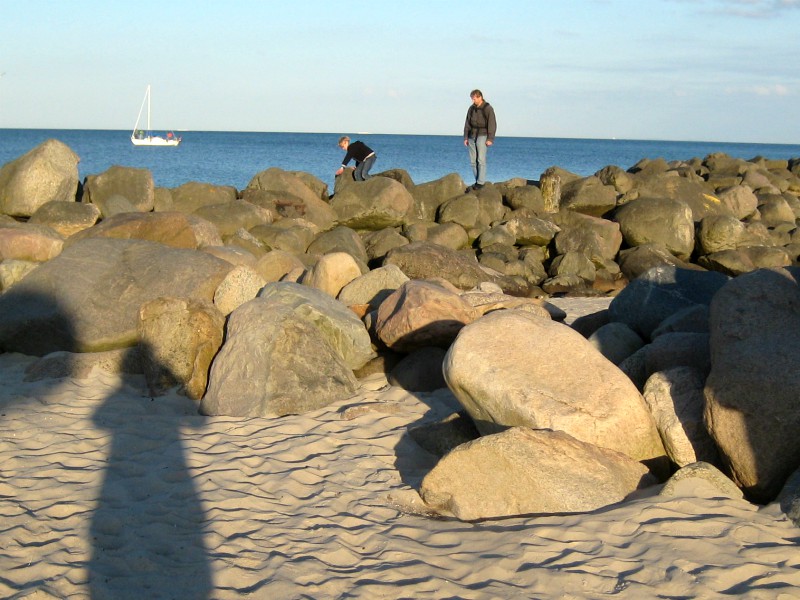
107 493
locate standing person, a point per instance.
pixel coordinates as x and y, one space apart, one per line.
479 129
361 153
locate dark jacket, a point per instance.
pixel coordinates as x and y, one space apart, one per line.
357 150
480 121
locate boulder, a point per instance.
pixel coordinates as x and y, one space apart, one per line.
79 365
241 284
429 196
658 220
420 314
634 262
193 195
340 239
332 272
373 204
378 243
596 238
66 218
12 271
710 475
420 371
47 173
178 338
510 368
616 341
274 265
372 288
87 299
740 200
303 200
719 232
135 185
29 242
173 229
523 471
291 235
751 393
589 196
234 215
675 398
661 292
291 350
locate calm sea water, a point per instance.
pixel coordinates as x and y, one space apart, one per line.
233 158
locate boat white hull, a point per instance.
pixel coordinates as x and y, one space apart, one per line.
155 141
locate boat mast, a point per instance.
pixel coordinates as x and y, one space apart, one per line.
148 109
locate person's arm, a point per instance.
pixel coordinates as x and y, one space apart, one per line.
491 126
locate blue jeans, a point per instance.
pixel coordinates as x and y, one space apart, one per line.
362 169
477 158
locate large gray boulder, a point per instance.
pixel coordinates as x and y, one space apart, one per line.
510 368
525 471
29 242
429 196
66 218
752 408
193 195
373 204
660 292
135 185
47 173
658 220
589 196
292 195
291 350
87 299
234 215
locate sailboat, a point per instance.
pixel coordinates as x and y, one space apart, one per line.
145 137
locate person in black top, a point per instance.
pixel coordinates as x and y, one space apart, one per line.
479 130
361 153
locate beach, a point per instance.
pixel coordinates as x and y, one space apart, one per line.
109 493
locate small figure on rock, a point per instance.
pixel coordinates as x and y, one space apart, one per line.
479 129
363 155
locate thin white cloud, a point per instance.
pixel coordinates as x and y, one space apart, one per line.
751 9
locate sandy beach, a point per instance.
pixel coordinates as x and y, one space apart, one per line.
107 493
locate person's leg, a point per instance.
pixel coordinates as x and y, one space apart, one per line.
358 173
366 166
480 169
473 156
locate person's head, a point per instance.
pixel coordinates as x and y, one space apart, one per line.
477 97
344 142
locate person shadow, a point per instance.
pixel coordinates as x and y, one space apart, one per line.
148 529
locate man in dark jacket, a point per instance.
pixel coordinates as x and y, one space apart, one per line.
479 130
363 155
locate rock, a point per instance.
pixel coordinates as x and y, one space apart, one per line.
274 265
594 237
341 328
441 437
789 498
291 350
420 371
692 319
87 299
429 196
423 260
740 200
528 196
66 218
675 398
178 338
698 196
588 196
299 199
751 402
29 242
513 369
372 288
13 271
290 235
340 239
708 473
634 262
47 173
720 232
378 243
523 471
616 341
193 195
420 314
373 204
234 256
661 292
658 220
240 285
234 215
532 231
449 235
79 365
332 272
134 185
170 228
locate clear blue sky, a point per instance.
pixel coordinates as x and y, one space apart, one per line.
707 70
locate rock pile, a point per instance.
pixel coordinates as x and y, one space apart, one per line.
276 299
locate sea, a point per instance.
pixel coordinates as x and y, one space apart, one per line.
234 158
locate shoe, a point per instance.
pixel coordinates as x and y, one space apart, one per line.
477 186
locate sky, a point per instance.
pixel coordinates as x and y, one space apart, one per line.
696 70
